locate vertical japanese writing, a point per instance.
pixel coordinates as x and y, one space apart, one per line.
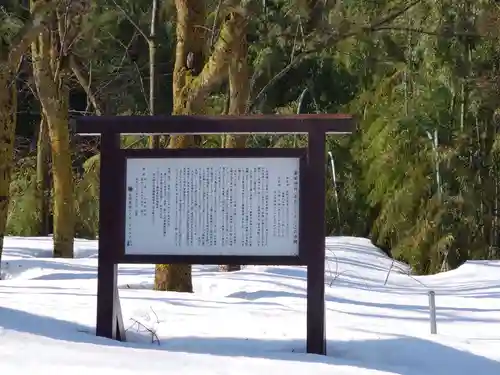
168 198
210 230
188 188
130 191
154 195
233 206
143 192
136 196
227 205
178 207
198 199
295 217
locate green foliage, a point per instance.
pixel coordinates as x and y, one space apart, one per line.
87 200
435 197
23 215
10 25
420 175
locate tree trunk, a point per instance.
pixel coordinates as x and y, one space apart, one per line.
239 91
49 71
8 107
154 141
193 79
9 65
43 178
64 227
190 39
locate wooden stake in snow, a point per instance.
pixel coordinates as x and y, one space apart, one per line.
432 311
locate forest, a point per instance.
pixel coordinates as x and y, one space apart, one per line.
419 176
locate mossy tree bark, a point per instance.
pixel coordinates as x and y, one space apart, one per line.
8 107
51 68
43 177
239 91
194 77
10 60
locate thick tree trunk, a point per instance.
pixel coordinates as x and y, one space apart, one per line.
193 80
8 107
64 227
43 177
49 73
190 39
239 91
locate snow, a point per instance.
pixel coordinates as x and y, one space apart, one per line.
248 322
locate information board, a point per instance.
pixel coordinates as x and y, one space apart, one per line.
212 206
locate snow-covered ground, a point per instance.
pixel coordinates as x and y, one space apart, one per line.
248 322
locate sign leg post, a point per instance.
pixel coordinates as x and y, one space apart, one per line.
116 165
106 311
107 290
316 338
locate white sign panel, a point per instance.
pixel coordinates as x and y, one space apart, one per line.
212 206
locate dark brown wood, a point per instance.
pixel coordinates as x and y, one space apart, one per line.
316 339
107 291
201 153
339 124
120 327
119 189
213 259
312 201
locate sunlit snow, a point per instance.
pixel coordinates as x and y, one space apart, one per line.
248 322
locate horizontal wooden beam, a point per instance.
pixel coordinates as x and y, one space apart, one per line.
263 124
212 260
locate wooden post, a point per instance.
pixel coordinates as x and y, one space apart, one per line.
316 338
312 201
107 290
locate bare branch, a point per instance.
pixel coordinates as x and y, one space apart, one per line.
102 86
29 32
331 39
85 83
395 14
292 64
127 16
216 17
430 32
143 90
125 47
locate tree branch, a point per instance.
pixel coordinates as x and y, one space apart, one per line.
331 39
429 32
29 32
292 64
84 82
395 14
214 25
216 68
129 19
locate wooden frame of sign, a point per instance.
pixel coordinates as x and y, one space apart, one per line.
212 206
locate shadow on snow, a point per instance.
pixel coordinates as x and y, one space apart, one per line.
406 355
